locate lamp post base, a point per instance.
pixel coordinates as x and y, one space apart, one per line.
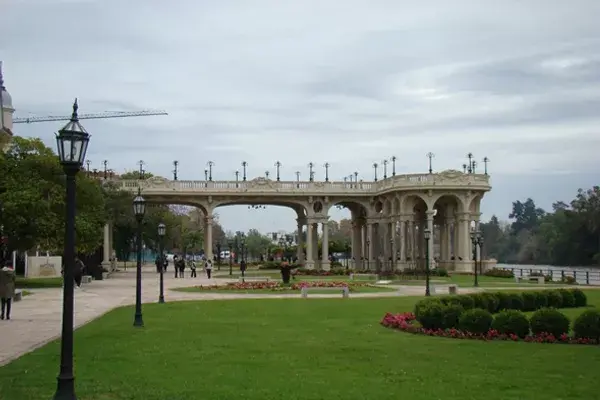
65 389
138 321
161 300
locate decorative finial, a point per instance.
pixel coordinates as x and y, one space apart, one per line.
74 116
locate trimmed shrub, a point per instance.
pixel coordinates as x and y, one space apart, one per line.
499 273
511 322
529 301
431 315
476 321
466 302
479 301
441 272
587 325
516 301
423 304
568 299
492 301
554 299
541 299
504 301
549 320
451 315
580 297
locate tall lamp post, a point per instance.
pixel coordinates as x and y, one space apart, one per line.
72 141
427 234
243 244
476 241
368 255
230 243
139 209
162 230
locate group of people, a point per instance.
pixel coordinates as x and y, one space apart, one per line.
180 263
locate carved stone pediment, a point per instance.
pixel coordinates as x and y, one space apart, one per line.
261 183
452 175
157 182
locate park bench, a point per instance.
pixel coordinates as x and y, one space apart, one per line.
18 295
344 289
86 279
354 277
254 279
539 279
383 282
452 289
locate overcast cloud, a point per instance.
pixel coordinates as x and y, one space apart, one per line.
347 82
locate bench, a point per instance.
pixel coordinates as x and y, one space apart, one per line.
345 290
452 289
254 279
364 276
18 295
539 279
86 279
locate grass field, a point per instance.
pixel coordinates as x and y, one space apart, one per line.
38 283
297 349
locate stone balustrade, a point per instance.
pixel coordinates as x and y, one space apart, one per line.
444 180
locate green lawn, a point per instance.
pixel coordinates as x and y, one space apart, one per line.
297 349
38 283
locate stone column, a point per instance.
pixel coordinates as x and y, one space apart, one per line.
208 242
309 263
393 245
315 238
464 238
300 244
369 244
325 265
411 240
431 229
402 241
106 247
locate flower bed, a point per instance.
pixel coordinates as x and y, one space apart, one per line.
318 272
471 317
277 286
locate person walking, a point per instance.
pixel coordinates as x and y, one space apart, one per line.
208 266
181 266
175 267
7 290
78 273
193 269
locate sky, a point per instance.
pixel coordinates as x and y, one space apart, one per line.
345 82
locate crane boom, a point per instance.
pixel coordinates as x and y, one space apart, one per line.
113 114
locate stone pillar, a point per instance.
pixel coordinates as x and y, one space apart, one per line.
309 263
464 240
325 265
402 241
449 222
393 245
431 229
411 240
300 243
106 247
369 243
208 242
315 239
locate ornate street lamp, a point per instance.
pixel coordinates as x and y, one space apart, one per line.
394 165
243 244
470 165
139 209
162 230
278 167
430 155
327 165
427 235
310 171
175 164
244 165
230 243
385 163
375 166
297 179
368 259
210 165
72 141
476 241
218 255
105 164
485 163
237 178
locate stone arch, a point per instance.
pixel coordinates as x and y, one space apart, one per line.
300 209
357 208
447 204
153 199
412 202
474 204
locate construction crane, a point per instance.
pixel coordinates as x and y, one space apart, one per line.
107 114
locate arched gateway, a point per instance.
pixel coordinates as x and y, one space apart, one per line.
389 216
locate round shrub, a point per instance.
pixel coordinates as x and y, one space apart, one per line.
568 299
476 321
466 302
580 297
516 301
492 301
541 299
529 301
549 320
423 304
587 325
504 300
431 315
479 301
555 299
511 322
451 315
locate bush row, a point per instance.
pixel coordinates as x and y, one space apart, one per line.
499 273
524 301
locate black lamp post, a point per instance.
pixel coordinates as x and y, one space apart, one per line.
105 164
175 164
375 166
72 141
139 209
427 235
278 166
473 166
368 259
470 165
393 260
237 178
476 241
243 244
430 155
162 230
218 255
464 168
355 177
327 165
244 165
230 243
210 165
394 165
485 163
385 163
297 179
310 171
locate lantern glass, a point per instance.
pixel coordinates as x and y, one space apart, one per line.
427 234
139 206
162 229
72 147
